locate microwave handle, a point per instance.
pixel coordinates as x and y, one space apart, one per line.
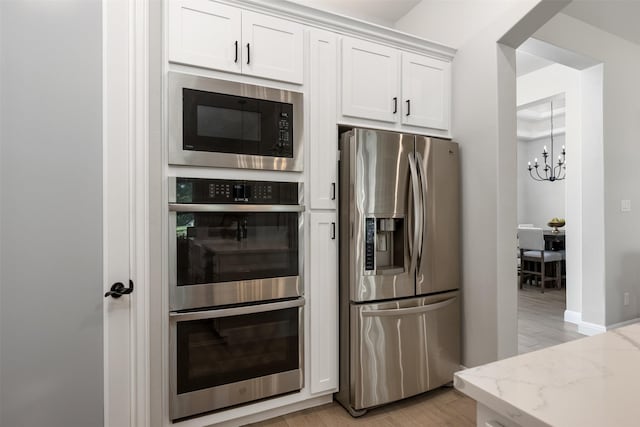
236 311
180 207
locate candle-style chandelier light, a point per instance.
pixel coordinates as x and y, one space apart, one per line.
551 172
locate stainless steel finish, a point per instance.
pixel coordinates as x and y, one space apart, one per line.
414 250
439 267
421 342
399 328
178 156
237 292
374 183
423 197
406 311
210 399
177 207
235 311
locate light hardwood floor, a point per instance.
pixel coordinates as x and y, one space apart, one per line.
438 408
541 319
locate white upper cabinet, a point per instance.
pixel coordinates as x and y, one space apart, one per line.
207 34
370 85
323 133
386 85
272 47
426 90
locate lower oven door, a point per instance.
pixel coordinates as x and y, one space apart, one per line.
226 357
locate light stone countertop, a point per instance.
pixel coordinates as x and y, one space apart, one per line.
593 381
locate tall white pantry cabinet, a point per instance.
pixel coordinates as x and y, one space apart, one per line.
351 74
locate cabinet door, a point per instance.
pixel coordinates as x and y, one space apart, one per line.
323 134
205 34
426 91
323 302
370 88
272 47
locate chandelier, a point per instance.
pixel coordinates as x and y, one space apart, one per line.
550 172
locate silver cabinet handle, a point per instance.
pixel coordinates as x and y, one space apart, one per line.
180 207
236 311
409 310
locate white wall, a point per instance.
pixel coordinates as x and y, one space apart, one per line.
545 83
621 151
51 353
538 201
452 23
484 123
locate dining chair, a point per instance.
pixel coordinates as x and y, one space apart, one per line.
534 258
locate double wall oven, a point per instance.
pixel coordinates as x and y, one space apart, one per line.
236 305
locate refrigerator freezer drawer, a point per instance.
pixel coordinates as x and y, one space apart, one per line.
403 348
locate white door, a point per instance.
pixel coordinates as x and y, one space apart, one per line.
370 86
323 134
323 301
205 34
272 48
426 91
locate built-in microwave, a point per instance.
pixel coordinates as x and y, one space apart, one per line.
221 123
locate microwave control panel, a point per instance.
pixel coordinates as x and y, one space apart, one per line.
215 191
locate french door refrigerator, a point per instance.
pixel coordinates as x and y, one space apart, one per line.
399 266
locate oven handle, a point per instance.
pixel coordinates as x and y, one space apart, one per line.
236 311
180 207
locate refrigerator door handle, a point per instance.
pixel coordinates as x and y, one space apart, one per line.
409 310
417 217
423 206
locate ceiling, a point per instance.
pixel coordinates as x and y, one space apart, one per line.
382 12
527 63
619 17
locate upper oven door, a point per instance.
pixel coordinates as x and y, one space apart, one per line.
227 124
233 254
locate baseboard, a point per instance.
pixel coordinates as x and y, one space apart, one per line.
574 317
625 323
587 328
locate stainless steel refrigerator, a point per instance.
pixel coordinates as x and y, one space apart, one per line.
399 266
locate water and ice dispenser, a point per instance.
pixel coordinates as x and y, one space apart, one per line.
384 245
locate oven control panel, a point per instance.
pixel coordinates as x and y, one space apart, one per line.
215 191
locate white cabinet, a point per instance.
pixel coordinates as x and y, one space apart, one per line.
323 302
272 47
207 34
426 89
370 83
323 133
383 84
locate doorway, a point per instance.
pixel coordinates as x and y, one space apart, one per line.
550 99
